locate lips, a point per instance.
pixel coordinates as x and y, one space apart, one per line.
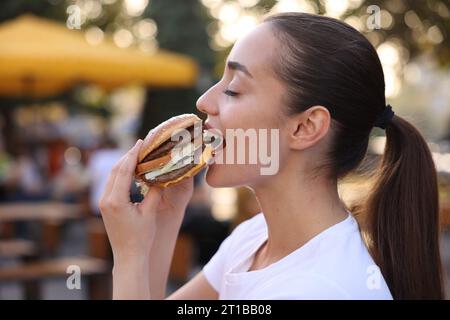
218 139
208 126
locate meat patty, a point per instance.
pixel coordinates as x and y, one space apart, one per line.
178 172
166 147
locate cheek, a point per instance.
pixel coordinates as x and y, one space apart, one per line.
228 172
249 111
235 113
246 113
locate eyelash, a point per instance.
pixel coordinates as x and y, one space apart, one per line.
230 93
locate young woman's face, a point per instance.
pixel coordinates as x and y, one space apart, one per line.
248 97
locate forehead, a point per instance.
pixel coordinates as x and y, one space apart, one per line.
255 50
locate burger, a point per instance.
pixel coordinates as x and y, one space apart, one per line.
173 151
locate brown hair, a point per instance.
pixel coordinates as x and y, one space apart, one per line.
326 62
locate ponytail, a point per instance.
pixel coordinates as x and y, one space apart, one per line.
403 215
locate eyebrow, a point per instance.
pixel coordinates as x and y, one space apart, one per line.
233 65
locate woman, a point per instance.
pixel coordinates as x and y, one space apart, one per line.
320 83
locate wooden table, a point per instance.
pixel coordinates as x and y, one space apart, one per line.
14 248
30 272
50 215
95 271
50 211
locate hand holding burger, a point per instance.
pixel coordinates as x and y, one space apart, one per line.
164 167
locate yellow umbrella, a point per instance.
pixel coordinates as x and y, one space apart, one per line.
39 57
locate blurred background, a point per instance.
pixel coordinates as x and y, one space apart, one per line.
81 80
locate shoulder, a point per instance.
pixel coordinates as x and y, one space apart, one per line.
250 228
255 223
244 237
343 261
233 249
334 265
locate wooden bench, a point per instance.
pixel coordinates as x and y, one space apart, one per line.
39 211
44 212
182 260
95 271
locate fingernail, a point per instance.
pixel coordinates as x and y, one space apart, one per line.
138 142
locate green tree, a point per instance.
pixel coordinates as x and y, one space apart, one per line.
181 28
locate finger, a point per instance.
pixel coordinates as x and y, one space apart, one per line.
125 174
151 200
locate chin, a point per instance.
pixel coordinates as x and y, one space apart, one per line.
227 176
217 178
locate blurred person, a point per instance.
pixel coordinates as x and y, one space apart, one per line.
55 156
321 84
71 181
99 166
24 180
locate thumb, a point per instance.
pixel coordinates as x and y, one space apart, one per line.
151 200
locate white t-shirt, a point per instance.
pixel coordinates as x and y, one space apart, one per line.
335 264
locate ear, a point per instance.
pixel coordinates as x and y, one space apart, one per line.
308 127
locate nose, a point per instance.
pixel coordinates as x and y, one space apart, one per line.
207 103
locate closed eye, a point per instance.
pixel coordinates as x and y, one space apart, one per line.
230 93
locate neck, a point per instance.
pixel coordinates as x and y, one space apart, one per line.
296 210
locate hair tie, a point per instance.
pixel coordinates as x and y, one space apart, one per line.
384 119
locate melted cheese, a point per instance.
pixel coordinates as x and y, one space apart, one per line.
180 158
